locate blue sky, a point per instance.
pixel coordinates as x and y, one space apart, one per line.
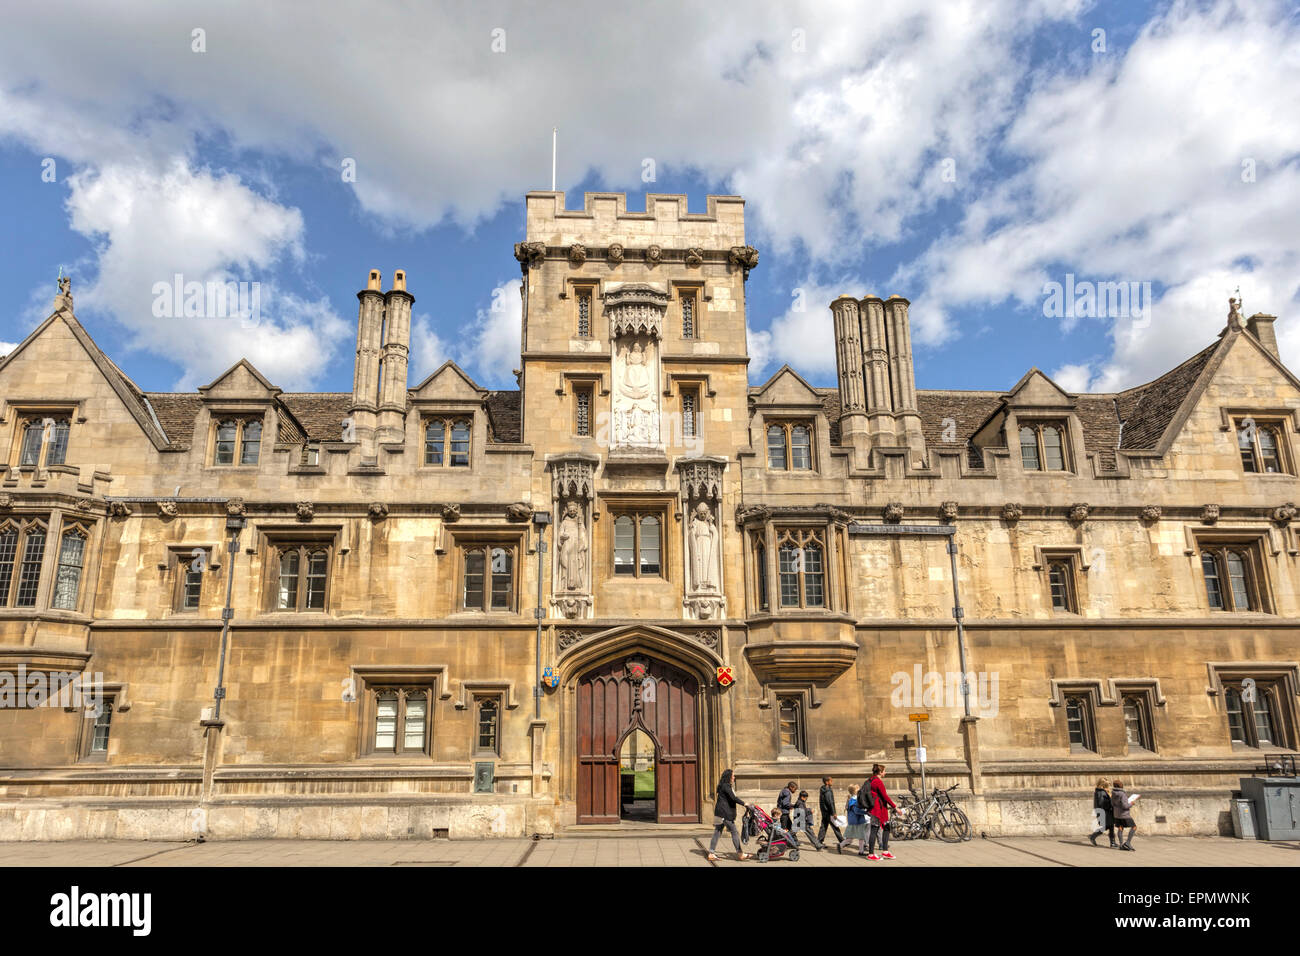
959 154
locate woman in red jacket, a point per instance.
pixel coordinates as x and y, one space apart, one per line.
879 818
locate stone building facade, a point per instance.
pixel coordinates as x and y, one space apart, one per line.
733 575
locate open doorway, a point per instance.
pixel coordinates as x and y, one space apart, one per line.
636 777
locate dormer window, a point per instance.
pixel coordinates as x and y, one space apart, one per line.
242 435
446 442
1262 445
1042 446
43 432
789 446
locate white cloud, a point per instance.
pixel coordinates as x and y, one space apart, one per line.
428 350
1072 378
491 342
151 224
1134 171
804 336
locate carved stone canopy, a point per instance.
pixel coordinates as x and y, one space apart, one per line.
574 476
701 478
635 309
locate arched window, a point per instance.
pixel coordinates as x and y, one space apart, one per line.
624 545
789 446
1029 450
31 449
790 725
226 432
434 435
29 574
67 580
252 444
1053 457
1042 446
1078 719
57 451
800 448
488 717
460 444
304 577
1268 454
801 568
9 535
401 721
1230 583
776 457
760 572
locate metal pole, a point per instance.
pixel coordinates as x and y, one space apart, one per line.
554 136
540 520
920 747
958 613
226 614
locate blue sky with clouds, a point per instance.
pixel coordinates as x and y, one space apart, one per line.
959 154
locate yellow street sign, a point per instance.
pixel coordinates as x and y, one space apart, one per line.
917 718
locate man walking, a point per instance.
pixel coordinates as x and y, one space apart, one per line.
784 803
826 803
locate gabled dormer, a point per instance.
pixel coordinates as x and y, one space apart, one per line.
239 421
450 421
788 422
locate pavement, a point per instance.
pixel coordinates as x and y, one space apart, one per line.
640 849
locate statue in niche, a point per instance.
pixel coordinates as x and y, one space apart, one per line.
636 375
704 548
572 538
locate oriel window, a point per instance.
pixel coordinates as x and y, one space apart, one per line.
67 579
22 549
801 568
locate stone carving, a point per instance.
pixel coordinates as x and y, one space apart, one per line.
635 309
520 511
236 507
948 511
306 510
377 511
709 638
85 504
450 513
755 512
119 509
654 254
6 501
838 515
700 479
577 253
893 512
566 639
636 377
1079 512
63 300
1209 514
743 257
615 252
572 605
1234 313
530 254
704 607
1150 514
573 478
571 542
167 509
1011 512
1284 514
694 257
703 536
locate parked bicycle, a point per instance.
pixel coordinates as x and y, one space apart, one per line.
917 818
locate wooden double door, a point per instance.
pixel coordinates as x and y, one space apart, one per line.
614 700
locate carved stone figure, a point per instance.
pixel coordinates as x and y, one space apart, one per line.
85 504
1011 512
1079 512
306 511
235 506
577 253
119 509
1151 514
694 257
948 511
450 513
1209 514
6 501
63 299
519 511
616 252
530 254
636 376
378 511
893 513
704 548
1284 514
743 257
571 538
654 254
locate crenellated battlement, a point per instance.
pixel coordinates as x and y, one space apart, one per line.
666 221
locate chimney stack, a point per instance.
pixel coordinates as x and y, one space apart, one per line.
1261 326
396 351
365 376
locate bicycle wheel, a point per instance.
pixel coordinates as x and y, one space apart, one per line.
963 822
947 825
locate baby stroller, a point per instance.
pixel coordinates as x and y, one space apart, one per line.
773 842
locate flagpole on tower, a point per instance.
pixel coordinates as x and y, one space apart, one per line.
554 135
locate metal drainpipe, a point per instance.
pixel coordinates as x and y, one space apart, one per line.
233 524
540 520
958 613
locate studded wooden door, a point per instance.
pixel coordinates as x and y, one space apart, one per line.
612 701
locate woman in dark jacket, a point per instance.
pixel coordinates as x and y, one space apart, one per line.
724 815
1122 804
1105 820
